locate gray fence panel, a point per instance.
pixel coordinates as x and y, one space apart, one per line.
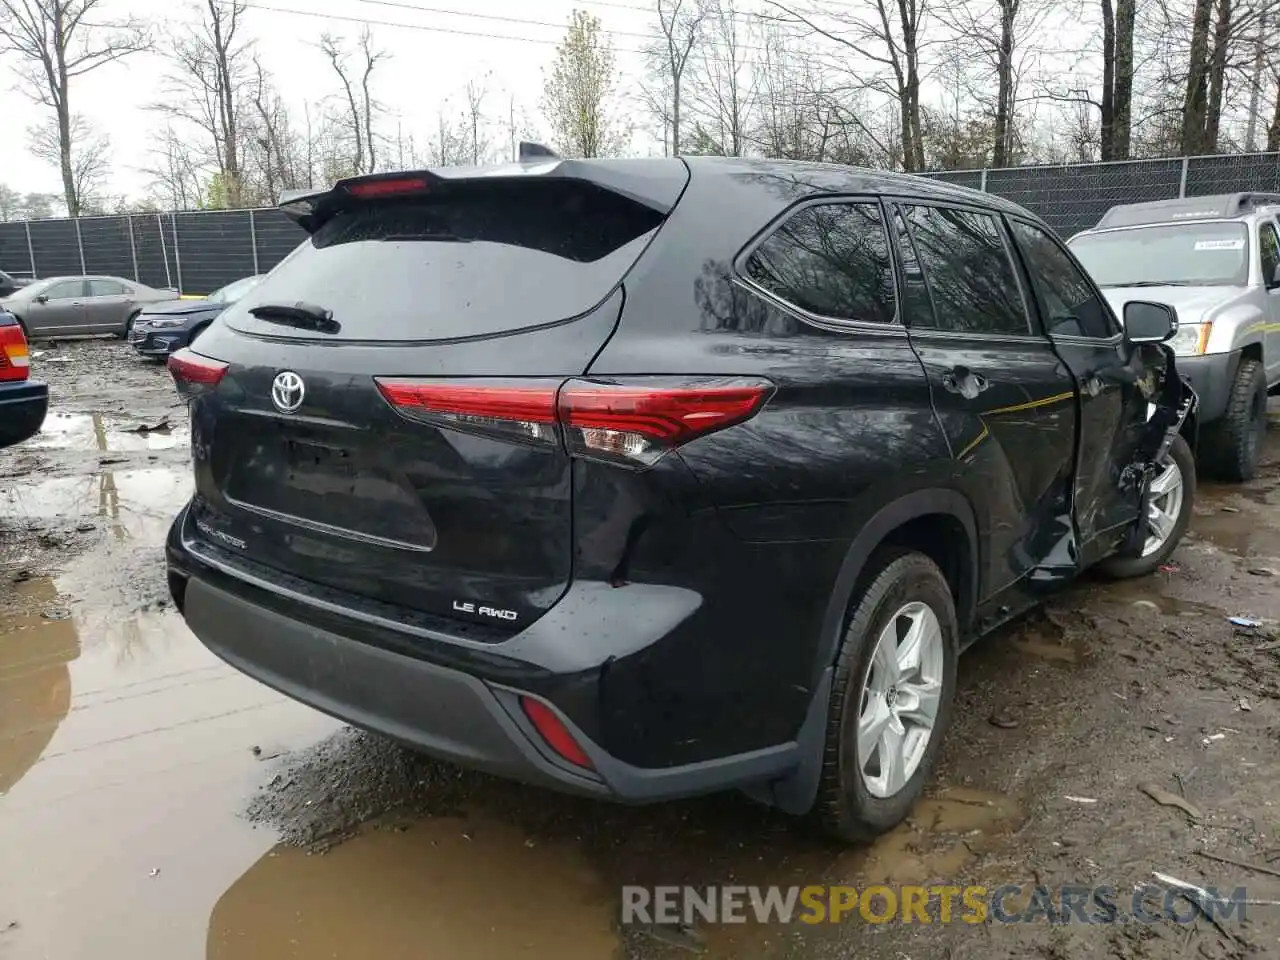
15 256
1073 198
106 246
215 248
56 247
277 237
152 268
961 178
1229 174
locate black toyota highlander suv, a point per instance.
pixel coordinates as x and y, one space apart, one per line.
648 478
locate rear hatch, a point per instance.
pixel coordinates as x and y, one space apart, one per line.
321 448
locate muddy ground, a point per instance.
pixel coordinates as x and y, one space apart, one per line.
154 803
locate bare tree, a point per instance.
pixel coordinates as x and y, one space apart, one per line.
578 96
356 82
1116 108
90 164
10 202
207 91
176 171
679 23
722 86
474 119
54 43
887 35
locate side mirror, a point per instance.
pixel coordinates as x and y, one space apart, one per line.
1146 322
42 299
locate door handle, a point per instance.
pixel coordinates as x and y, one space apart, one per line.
964 381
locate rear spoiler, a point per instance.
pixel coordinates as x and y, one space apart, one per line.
655 183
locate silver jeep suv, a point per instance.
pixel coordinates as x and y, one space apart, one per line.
1216 260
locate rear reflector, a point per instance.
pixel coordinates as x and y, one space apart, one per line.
193 373
368 189
15 362
552 729
634 422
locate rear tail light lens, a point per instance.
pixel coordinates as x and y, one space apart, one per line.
639 423
511 409
193 374
633 422
553 730
15 361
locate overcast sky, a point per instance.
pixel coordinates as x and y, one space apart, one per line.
434 53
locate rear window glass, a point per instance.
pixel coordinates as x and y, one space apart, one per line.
475 259
1198 254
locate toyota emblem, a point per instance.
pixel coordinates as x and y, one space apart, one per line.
287 391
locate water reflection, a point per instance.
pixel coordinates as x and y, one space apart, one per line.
445 888
35 684
95 431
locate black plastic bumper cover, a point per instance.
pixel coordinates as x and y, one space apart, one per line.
23 407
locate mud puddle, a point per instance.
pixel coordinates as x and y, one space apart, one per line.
124 762
102 434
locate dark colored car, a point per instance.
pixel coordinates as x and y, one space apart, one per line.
642 479
23 401
10 285
165 327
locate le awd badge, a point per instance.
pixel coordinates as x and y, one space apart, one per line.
462 606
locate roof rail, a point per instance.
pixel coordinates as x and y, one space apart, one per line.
1215 207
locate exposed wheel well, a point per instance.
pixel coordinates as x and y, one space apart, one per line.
943 539
1251 351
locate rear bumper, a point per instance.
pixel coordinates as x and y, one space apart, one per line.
463 705
23 407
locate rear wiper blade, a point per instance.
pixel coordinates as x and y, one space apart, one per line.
305 315
1155 283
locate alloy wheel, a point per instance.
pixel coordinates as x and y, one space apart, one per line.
1164 506
901 696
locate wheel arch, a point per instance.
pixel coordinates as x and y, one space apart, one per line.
909 521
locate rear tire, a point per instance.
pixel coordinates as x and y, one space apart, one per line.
1231 446
860 794
1126 568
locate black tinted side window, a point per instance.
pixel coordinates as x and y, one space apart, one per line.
1067 301
968 271
831 260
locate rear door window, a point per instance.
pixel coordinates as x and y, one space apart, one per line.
1067 300
968 272
831 260
477 259
106 288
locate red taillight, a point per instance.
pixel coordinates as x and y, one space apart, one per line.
637 422
634 422
15 361
193 373
552 729
518 410
384 188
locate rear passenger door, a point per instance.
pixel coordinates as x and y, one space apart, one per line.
107 305
1113 402
1004 398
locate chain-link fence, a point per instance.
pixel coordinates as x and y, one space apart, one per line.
199 251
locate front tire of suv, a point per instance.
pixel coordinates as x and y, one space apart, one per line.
891 699
1173 493
1232 445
